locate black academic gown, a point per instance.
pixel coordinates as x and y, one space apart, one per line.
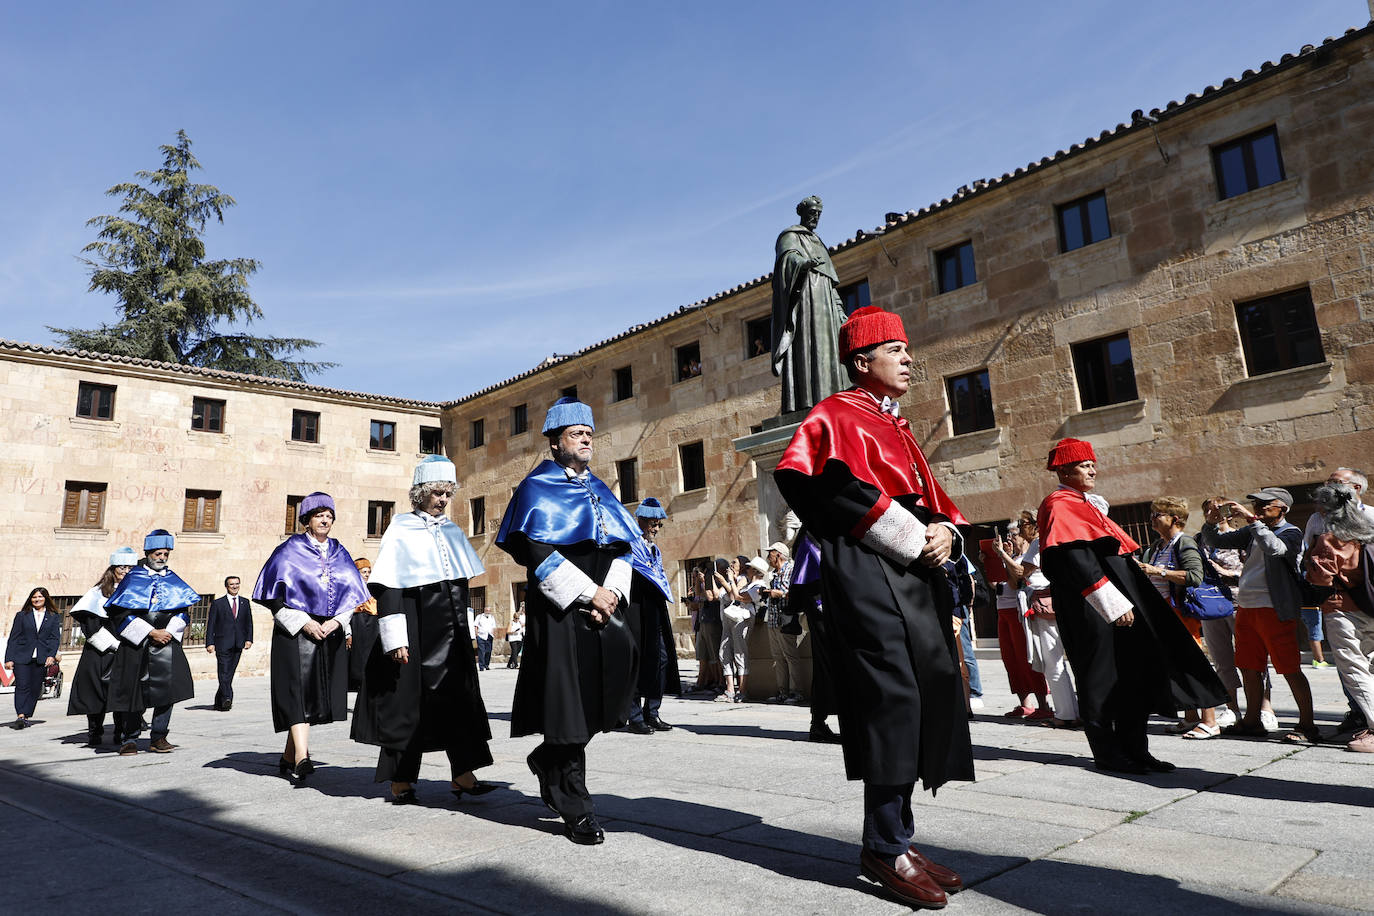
148 674
646 613
433 702
309 677
576 679
1122 674
896 662
89 691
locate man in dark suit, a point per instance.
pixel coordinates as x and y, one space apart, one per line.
228 631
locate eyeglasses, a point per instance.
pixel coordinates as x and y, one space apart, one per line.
1162 515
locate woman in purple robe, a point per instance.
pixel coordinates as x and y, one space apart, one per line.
311 585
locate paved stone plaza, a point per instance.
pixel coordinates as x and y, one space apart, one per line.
732 812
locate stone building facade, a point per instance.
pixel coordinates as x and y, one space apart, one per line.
1169 241
78 487
1192 291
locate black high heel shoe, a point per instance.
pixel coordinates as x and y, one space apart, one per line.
284 767
304 767
477 788
403 798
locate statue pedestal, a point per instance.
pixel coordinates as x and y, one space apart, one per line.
765 449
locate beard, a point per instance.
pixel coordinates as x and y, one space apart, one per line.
157 565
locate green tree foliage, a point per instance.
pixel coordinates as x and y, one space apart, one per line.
173 303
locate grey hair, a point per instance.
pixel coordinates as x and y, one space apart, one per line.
420 492
1345 517
851 367
1359 477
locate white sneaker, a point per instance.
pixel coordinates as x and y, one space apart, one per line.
1269 720
975 702
1225 717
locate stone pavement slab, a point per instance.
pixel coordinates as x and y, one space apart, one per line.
733 809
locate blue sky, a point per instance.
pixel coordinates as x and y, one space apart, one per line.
445 193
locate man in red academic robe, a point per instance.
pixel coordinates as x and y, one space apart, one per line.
857 479
1130 653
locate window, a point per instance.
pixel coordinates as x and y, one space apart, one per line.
1135 519
202 511
624 383
477 434
293 515
95 402
954 267
207 415
1083 221
431 440
693 458
478 508
970 402
1279 332
569 392
687 359
1106 374
628 473
758 337
378 517
855 296
519 419
305 426
477 598
1248 163
382 436
84 505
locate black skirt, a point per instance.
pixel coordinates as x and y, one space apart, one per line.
309 678
89 693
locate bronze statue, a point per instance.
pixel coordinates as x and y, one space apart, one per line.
807 314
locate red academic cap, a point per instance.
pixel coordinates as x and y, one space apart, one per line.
867 327
1070 451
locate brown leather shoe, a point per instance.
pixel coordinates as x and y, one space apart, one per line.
128 749
907 882
162 746
947 878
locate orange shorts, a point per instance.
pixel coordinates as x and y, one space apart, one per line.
1261 638
1194 626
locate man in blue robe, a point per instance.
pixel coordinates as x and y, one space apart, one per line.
149 612
648 613
574 538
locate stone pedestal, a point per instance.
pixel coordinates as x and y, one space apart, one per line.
765 449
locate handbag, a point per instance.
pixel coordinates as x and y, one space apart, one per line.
1207 602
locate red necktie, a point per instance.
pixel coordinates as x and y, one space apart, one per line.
235 606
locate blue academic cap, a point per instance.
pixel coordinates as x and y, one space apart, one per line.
124 556
567 412
650 508
157 539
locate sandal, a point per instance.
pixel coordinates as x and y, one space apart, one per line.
1178 728
1202 732
1309 735
1246 730
1018 712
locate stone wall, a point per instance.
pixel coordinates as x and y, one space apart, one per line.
149 456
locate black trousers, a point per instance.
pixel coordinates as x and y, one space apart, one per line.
823 664
404 766
227 661
28 686
563 768
888 822
648 702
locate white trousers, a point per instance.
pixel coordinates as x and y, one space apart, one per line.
734 644
1351 635
1057 676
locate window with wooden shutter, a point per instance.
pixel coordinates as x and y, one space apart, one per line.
202 511
293 512
83 505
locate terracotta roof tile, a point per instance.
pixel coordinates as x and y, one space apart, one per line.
93 356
